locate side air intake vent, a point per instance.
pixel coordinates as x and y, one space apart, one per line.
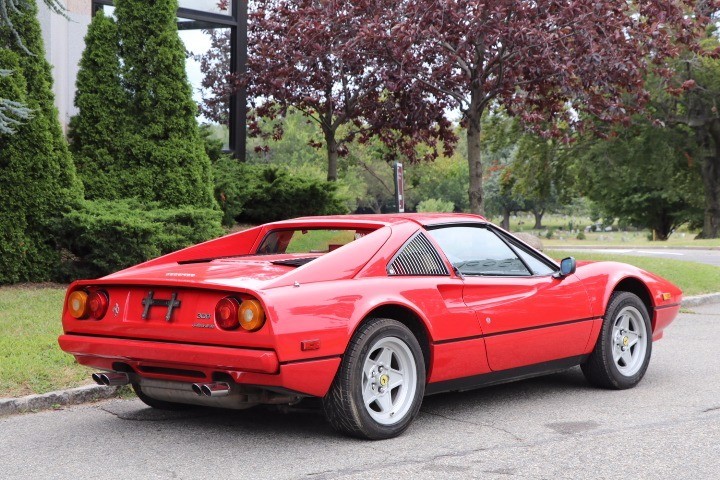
417 257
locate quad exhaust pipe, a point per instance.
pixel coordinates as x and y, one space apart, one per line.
217 389
112 379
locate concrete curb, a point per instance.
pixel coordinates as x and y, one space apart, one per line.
46 401
91 393
698 300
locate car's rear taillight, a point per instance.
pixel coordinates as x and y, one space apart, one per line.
78 304
97 304
252 316
226 313
83 305
231 314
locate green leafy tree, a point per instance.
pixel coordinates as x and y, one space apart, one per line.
296 146
500 135
445 179
690 98
541 175
647 176
99 135
169 157
13 112
38 178
435 205
156 153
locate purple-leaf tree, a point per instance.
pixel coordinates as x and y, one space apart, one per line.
313 56
548 63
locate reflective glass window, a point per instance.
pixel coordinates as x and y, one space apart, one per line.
478 251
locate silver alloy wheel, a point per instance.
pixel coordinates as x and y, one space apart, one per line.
389 380
629 341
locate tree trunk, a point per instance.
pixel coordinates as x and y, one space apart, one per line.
474 116
711 182
332 155
538 219
505 224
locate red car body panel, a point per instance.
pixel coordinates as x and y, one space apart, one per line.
470 325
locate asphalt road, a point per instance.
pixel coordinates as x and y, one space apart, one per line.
551 427
710 257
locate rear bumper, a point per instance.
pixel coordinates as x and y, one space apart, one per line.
193 363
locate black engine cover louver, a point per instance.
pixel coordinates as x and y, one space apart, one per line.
417 257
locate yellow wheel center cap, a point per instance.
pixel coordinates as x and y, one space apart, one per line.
626 340
384 380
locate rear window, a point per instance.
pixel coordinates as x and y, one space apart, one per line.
308 240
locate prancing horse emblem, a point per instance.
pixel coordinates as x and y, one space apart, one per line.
116 309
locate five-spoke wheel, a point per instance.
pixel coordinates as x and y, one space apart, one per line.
389 380
380 384
629 341
622 352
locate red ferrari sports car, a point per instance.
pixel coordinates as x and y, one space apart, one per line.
368 313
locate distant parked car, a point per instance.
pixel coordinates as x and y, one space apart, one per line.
368 313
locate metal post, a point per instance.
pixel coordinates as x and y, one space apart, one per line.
399 187
238 101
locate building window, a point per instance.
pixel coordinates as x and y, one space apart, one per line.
196 19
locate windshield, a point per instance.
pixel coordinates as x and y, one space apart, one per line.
308 240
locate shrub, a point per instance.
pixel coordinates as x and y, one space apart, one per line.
435 205
581 235
99 133
39 183
259 194
105 236
136 135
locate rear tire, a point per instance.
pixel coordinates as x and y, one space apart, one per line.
158 404
379 387
622 352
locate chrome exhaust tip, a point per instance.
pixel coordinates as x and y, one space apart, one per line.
111 379
219 389
197 388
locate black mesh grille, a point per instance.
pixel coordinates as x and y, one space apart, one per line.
417 257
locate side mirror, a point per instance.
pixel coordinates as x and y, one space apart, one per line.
567 267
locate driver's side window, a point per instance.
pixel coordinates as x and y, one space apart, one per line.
478 251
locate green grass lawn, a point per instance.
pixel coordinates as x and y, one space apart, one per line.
30 359
693 278
563 236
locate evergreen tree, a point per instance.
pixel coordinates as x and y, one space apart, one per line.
166 156
98 135
12 111
37 174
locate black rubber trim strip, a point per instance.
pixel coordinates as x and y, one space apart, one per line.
503 376
518 330
667 306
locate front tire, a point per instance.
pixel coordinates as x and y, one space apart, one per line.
622 352
379 387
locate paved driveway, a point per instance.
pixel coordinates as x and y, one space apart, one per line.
552 427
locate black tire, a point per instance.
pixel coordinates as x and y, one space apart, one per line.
601 369
344 406
158 404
